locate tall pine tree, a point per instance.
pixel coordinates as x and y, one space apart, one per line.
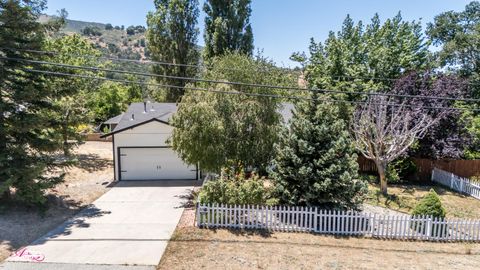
172 36
227 27
26 131
316 164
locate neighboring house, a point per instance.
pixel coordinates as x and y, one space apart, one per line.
140 151
111 123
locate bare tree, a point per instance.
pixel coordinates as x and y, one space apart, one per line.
385 128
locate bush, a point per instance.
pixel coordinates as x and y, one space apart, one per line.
401 170
236 189
430 205
369 178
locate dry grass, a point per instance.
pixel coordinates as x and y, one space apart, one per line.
193 248
83 184
403 198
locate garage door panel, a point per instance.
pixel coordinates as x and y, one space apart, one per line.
153 164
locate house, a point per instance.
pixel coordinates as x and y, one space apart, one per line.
140 150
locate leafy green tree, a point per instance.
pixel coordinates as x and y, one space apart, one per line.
26 131
112 98
316 163
218 130
72 110
172 36
359 56
227 27
108 26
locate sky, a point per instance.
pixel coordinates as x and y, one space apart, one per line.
280 27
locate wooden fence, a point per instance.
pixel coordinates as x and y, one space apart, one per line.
312 219
457 183
463 168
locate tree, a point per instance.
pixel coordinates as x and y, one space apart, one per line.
131 30
316 163
216 130
172 36
449 137
111 99
26 140
458 36
71 104
386 127
108 26
358 57
227 27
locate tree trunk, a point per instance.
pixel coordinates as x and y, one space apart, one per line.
66 147
381 168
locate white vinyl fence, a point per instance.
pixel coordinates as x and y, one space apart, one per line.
312 219
457 183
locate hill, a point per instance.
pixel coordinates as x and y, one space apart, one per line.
113 41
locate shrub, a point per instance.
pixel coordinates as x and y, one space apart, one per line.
430 205
400 170
369 178
236 189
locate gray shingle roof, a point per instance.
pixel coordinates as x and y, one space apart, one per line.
136 114
115 119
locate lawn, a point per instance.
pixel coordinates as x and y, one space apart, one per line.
403 198
194 248
83 184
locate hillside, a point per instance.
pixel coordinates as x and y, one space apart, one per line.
113 41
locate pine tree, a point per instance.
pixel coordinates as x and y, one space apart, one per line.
316 164
172 36
25 101
227 27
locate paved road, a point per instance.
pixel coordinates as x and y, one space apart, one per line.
129 225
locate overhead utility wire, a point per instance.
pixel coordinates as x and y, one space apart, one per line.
228 92
118 59
328 91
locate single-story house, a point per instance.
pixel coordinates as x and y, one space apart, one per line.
140 151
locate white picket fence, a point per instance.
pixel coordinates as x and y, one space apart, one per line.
457 183
312 219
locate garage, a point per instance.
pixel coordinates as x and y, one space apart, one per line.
153 163
141 148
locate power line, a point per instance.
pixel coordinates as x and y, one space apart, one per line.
231 92
117 59
327 91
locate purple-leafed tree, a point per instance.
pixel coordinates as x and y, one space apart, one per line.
448 137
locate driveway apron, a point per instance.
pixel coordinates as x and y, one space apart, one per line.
129 225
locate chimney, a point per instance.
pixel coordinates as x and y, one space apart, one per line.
144 107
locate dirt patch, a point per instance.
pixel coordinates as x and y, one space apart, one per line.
83 184
403 198
193 248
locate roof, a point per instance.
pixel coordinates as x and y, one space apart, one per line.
141 113
115 119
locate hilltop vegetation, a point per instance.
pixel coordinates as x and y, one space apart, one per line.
113 41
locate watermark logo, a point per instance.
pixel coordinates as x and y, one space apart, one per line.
27 254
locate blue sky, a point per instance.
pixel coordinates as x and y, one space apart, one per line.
280 27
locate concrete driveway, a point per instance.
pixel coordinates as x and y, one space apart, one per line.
129 225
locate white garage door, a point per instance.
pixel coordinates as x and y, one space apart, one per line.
153 164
